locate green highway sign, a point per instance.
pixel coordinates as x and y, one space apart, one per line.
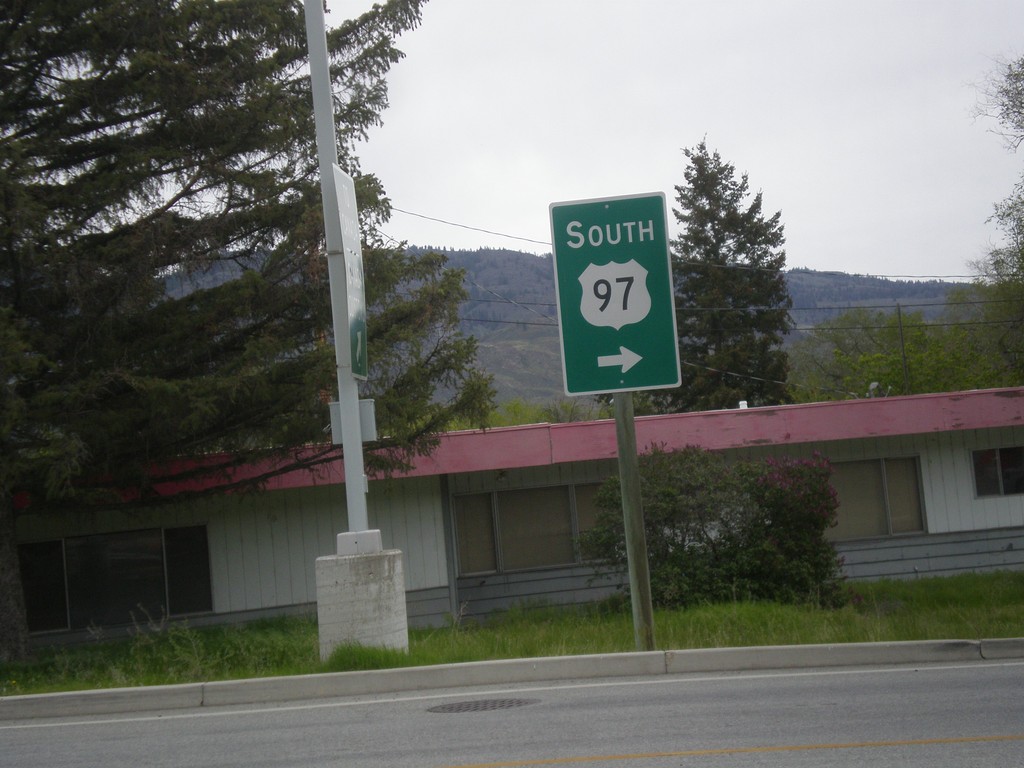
616 306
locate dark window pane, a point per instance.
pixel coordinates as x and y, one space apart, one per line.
1011 463
586 506
115 578
474 526
42 578
861 493
536 528
986 473
901 481
188 570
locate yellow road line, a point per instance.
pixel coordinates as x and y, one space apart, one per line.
744 750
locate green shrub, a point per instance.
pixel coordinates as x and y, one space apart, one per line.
717 532
792 560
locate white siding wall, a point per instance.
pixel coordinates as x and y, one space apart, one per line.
264 547
409 516
949 483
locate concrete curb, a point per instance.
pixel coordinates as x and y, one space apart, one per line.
498 672
1003 648
840 655
107 701
654 663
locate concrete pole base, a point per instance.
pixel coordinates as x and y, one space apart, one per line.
360 600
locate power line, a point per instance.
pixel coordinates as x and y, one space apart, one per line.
751 377
958 324
823 308
527 305
750 267
513 302
905 325
499 298
507 322
474 229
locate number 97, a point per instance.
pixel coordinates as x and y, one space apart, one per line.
603 292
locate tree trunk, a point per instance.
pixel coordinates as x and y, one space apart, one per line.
13 622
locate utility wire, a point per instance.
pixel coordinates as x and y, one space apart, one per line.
474 229
528 306
824 308
767 381
513 302
905 325
691 262
507 322
804 328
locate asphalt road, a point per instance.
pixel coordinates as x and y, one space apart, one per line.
934 716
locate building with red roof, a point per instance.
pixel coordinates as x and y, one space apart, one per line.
928 484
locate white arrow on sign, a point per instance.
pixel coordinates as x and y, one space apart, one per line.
627 358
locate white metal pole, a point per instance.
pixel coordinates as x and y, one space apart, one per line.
327 154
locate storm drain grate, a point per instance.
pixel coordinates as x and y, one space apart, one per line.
482 705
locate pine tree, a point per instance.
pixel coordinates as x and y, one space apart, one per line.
732 304
162 281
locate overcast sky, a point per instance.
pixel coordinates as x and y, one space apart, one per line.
853 118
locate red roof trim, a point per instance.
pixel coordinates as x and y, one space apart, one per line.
719 430
544 444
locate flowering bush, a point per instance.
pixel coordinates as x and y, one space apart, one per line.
717 532
794 561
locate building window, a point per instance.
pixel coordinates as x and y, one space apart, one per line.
115 578
46 591
998 471
474 521
880 497
586 509
522 529
187 558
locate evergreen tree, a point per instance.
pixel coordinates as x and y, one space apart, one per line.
163 291
732 304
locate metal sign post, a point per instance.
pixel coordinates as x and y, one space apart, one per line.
345 268
617 328
633 519
360 591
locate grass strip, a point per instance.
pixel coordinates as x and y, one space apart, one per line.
969 606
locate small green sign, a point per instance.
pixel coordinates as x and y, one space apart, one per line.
616 306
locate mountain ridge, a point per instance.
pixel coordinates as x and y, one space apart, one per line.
511 311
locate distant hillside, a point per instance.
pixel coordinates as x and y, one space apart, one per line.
818 296
511 312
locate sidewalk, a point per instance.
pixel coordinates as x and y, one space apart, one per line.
502 672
